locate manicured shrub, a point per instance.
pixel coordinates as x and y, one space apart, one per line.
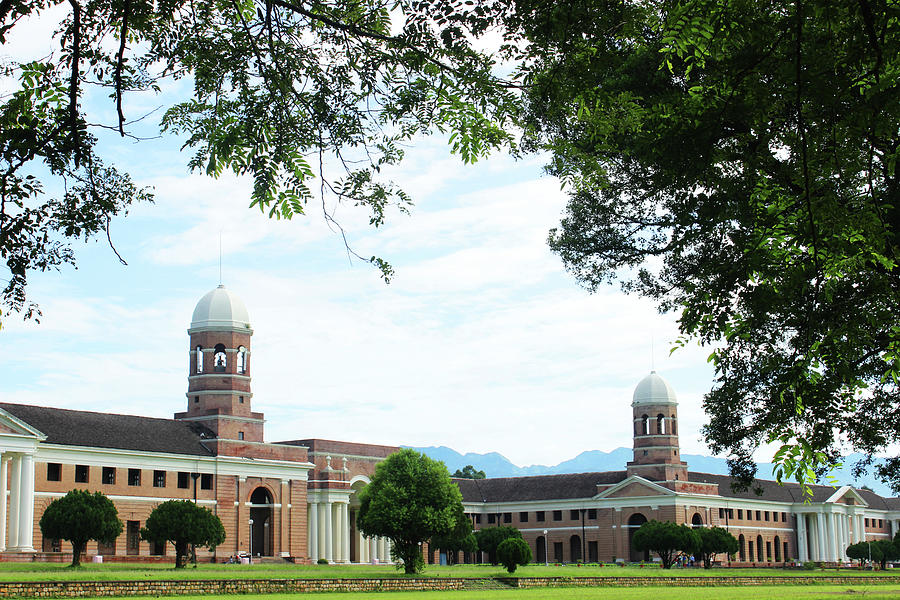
513 552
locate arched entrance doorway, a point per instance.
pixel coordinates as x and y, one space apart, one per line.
360 547
696 521
634 522
261 526
541 549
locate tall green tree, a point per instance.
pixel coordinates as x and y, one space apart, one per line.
184 524
736 161
666 539
310 100
459 539
469 472
712 541
79 517
410 500
490 538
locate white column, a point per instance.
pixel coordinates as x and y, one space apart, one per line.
821 543
845 530
373 550
833 537
312 512
323 517
387 550
382 550
363 545
345 532
3 479
15 488
861 528
329 531
802 554
26 505
339 525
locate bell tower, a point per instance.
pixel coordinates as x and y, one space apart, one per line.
656 449
219 395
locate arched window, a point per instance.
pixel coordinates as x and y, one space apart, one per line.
660 424
759 548
777 549
741 544
672 426
219 360
645 420
199 359
241 360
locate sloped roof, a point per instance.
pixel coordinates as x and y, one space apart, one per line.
104 430
537 487
584 485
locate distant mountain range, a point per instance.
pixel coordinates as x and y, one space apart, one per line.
497 465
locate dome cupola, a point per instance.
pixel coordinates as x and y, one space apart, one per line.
220 309
654 390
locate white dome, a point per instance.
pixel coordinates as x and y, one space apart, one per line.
653 389
220 309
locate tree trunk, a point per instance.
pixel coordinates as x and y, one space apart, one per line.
77 549
180 554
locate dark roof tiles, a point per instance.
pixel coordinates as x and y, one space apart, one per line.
103 430
538 487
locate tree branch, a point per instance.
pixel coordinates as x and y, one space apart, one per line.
120 58
74 79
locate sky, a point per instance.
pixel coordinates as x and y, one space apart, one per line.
481 342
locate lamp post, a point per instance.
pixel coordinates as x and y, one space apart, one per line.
251 541
546 548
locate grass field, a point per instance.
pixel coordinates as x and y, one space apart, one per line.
125 571
824 592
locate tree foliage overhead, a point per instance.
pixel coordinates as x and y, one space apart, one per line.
79 517
312 100
737 161
410 500
666 539
184 524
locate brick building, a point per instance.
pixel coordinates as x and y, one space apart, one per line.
298 498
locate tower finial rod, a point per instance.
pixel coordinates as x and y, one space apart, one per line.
220 257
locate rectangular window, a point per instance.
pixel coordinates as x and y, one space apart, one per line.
491 519
730 513
784 517
134 477
81 473
507 517
106 549
557 551
766 516
109 475
880 523
757 515
184 480
866 522
240 435
523 517
721 513
573 514
539 516
741 514
206 481
133 536
159 479
54 472
592 514
241 399
557 516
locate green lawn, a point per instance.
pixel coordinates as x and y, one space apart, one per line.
112 571
824 592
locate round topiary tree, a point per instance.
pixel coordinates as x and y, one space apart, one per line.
184 524
80 516
513 552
